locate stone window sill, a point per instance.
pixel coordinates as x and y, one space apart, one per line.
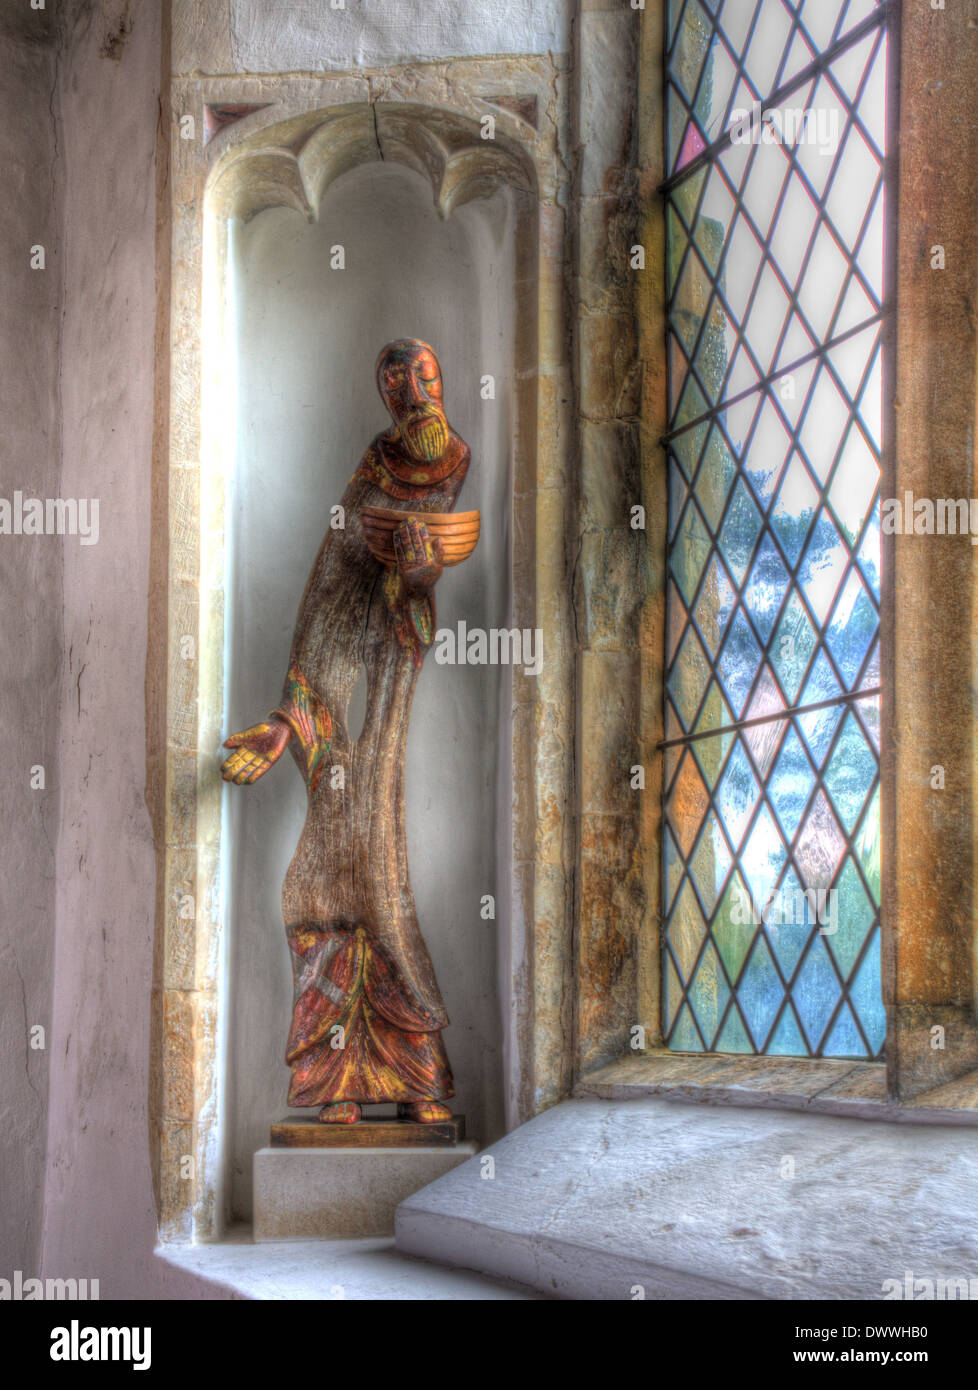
821 1086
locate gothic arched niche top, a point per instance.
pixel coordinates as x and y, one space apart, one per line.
293 163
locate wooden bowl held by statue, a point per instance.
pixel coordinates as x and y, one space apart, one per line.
457 531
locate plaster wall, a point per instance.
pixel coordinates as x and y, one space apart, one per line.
307 339
30 634
99 1214
215 36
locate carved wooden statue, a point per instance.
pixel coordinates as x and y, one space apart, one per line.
367 1013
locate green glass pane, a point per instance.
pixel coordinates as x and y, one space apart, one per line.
685 197
690 302
716 89
692 46
734 1037
734 928
687 448
675 10
711 753
674 868
677 496
715 347
716 477
676 243
677 117
850 919
690 552
684 1036
672 996
688 678
692 405
709 994
714 605
710 863
686 932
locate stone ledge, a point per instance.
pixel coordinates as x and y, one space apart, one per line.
594 1197
327 1270
818 1085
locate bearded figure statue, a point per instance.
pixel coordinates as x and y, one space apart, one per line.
367 1015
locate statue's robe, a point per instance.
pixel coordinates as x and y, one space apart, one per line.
367 1013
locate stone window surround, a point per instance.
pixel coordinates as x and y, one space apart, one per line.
587 891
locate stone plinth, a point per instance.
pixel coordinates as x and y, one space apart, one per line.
342 1193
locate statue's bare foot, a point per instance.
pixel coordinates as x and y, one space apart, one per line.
424 1112
339 1112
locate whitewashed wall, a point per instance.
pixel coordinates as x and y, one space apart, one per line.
313 36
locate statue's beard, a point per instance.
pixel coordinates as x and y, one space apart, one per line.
426 439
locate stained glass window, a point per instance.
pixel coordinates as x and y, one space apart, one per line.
775 236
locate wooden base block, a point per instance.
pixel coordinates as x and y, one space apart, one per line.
366 1134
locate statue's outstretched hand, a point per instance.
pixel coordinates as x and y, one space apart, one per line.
419 555
255 751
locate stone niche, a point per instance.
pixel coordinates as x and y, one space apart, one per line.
306 337
309 229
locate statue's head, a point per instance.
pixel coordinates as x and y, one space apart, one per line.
409 381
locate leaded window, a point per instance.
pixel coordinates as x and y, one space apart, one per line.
774 197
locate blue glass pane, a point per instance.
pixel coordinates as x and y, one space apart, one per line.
760 992
737 795
765 590
789 922
866 994
738 663
788 1040
792 783
816 991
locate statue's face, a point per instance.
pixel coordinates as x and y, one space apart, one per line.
410 386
